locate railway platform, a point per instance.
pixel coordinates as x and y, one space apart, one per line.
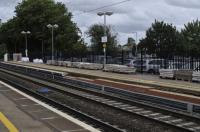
21 113
149 80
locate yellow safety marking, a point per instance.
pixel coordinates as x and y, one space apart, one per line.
7 123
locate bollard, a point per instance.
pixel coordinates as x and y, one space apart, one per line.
52 75
190 108
103 89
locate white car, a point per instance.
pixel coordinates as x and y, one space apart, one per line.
130 62
149 65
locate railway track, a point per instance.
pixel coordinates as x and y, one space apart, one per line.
31 90
174 120
67 81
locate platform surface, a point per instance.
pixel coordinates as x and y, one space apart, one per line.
136 78
18 113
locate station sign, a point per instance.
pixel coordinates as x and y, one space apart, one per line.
104 39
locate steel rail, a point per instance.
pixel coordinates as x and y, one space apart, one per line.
134 113
82 116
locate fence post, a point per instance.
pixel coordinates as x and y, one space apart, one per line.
191 64
190 108
103 88
122 57
92 56
141 66
165 63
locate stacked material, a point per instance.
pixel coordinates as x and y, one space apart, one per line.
183 75
119 69
167 73
52 62
17 57
196 76
94 66
68 63
76 64
48 62
38 61
90 66
5 57
61 63
25 59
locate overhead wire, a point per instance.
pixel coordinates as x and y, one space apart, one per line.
102 7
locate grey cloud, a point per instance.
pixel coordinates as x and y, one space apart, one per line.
184 3
135 15
8 3
7 8
6 13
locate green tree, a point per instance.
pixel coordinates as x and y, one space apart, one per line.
96 31
34 15
132 45
161 39
2 50
79 49
191 38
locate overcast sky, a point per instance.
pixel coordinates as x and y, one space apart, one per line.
129 17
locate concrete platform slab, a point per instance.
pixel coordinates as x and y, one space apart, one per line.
22 121
33 108
61 124
29 115
40 115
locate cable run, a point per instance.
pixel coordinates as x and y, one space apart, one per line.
102 7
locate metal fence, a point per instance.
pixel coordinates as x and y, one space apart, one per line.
143 62
153 64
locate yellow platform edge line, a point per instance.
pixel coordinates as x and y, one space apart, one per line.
7 123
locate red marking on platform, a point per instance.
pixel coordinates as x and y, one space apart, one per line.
144 89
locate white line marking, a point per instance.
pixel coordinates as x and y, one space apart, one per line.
110 102
117 103
76 121
49 118
78 130
144 112
139 109
131 107
154 114
196 128
36 111
162 117
20 99
186 124
175 121
124 106
24 105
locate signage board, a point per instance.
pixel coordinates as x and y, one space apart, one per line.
104 39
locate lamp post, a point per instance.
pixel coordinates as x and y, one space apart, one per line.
104 39
25 33
124 50
136 48
52 33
